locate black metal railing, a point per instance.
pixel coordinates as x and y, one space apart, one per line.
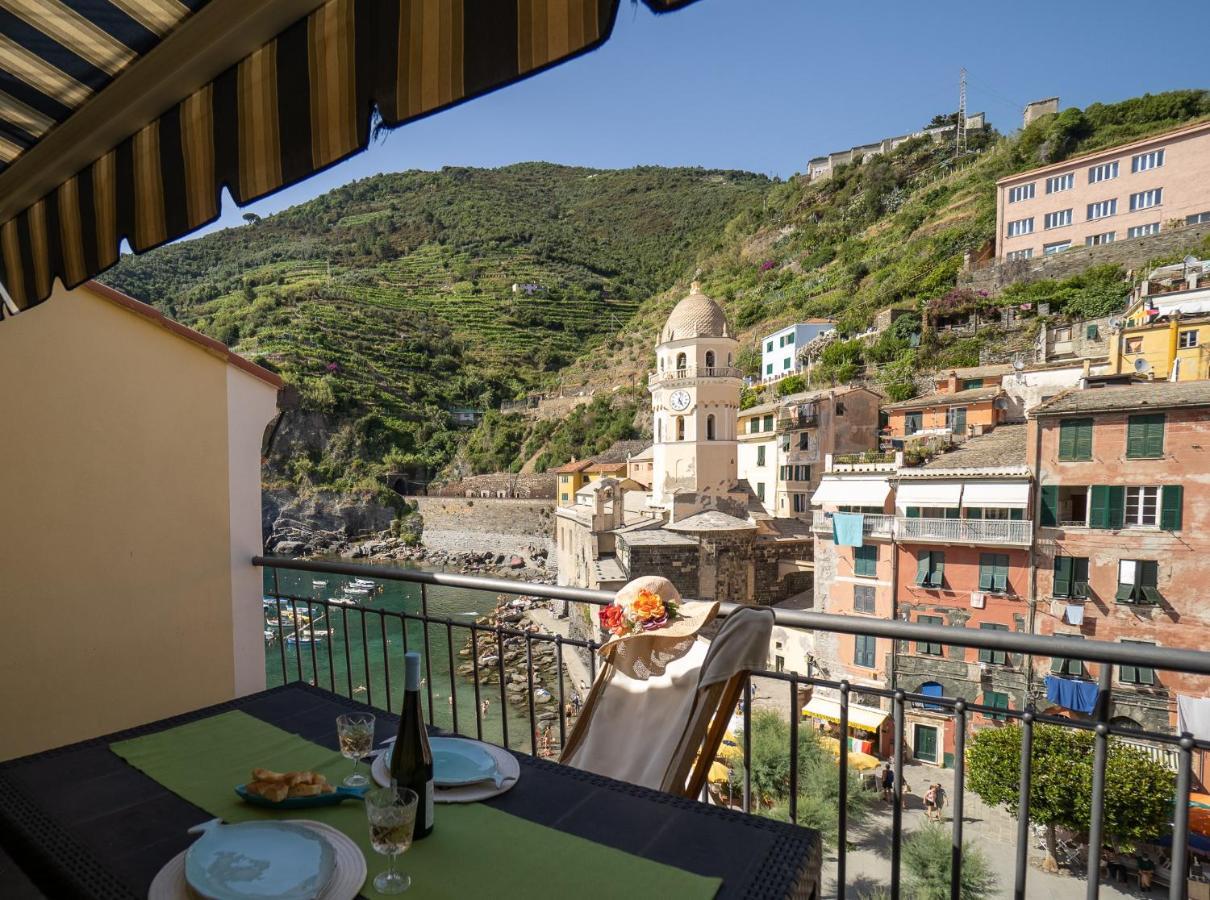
1107 655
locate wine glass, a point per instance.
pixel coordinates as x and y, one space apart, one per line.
355 732
392 815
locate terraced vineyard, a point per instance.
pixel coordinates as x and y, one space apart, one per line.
391 300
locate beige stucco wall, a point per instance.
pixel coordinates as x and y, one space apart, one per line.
124 564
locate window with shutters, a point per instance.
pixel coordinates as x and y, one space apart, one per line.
760 491
1075 439
760 455
767 424
800 503
1138 674
971 384
993 572
863 598
1145 436
930 568
865 560
1142 506
912 422
1171 501
930 648
1061 666
996 700
1138 582
1144 675
1070 577
864 648
1106 506
988 655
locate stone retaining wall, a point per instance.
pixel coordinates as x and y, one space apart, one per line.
508 525
1129 254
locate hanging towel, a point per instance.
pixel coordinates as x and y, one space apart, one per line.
1074 614
1072 693
847 529
1193 716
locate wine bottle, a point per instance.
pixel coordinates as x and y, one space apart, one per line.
412 759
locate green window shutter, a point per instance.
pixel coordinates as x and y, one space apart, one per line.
1084 440
1148 574
1155 436
937 576
1000 572
1091 333
1016 514
913 512
953 513
922 567
1145 436
1050 505
1057 664
974 512
1067 438
1117 506
1146 675
1171 496
1062 584
1079 577
1125 592
986 571
1128 674
1098 506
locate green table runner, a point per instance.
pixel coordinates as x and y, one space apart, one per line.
474 850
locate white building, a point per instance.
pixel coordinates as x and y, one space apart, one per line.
779 350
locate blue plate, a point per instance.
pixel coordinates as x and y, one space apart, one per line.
457 762
339 795
259 861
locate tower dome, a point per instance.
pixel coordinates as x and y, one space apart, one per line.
696 316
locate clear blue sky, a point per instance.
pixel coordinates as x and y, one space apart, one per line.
764 85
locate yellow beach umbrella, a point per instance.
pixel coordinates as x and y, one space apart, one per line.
719 774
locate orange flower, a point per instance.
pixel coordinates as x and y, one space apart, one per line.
612 619
647 606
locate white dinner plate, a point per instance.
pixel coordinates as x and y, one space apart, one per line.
506 764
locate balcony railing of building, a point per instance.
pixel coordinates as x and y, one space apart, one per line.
800 418
347 659
965 531
693 372
873 525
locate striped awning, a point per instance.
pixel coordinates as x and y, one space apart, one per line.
301 102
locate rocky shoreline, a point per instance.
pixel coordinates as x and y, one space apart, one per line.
514 613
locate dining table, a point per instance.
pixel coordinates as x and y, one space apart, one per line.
102 817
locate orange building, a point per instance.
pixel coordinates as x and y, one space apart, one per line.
967 402
963 560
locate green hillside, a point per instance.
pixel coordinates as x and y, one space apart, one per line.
391 300
889 232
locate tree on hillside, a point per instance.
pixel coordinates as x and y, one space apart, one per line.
1138 790
791 384
942 120
840 362
748 361
927 857
898 378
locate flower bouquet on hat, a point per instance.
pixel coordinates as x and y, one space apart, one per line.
651 605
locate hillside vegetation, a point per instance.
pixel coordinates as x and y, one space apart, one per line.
391 300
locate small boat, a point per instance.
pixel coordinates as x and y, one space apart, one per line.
307 636
342 601
364 583
357 592
318 583
270 635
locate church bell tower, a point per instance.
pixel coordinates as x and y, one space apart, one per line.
694 401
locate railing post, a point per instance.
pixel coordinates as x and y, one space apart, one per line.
428 665
1100 757
1179 872
748 744
842 813
1024 777
897 798
956 805
794 717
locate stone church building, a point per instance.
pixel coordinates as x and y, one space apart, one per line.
699 525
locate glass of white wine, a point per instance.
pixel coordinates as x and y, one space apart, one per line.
355 731
392 815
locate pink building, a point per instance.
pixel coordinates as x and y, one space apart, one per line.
1124 192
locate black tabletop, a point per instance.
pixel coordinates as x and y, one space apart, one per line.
82 822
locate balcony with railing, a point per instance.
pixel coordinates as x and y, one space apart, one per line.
803 417
683 374
358 653
1016 533
872 525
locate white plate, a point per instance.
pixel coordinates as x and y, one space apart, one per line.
506 763
458 762
346 881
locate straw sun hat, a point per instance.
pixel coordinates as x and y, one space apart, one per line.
684 618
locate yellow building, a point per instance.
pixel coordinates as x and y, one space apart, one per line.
1166 329
571 478
131 513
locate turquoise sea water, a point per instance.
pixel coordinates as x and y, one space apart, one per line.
362 673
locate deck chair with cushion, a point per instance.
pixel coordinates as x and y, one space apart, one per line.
663 698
